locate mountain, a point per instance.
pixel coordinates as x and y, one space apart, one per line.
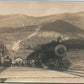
19 20
16 21
61 27
73 18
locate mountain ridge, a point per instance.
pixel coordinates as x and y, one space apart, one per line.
19 20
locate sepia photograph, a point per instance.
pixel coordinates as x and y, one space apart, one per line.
41 42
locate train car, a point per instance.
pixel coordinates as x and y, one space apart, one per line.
51 56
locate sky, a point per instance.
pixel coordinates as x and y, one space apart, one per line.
39 8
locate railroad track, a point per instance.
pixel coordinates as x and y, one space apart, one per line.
76 72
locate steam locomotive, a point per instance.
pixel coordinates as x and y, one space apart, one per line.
51 56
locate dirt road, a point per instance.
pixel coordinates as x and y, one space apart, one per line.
36 75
